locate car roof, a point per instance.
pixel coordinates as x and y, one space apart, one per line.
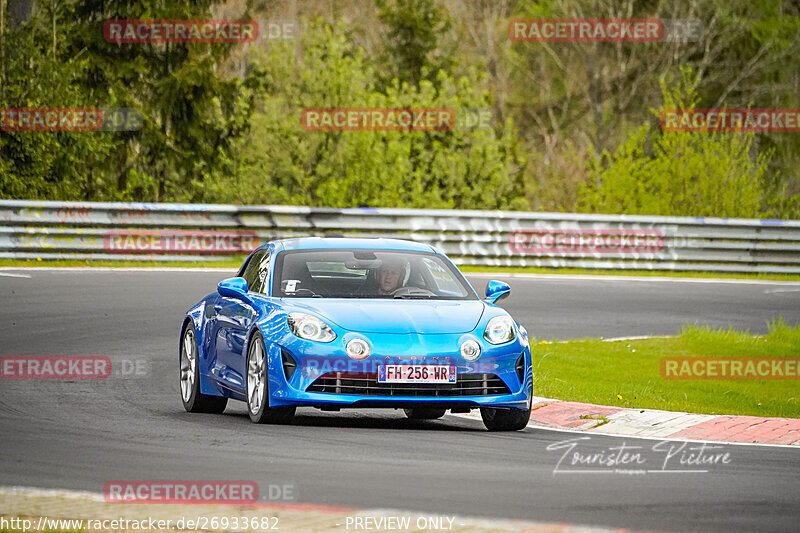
328 243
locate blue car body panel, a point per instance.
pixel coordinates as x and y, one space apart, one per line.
398 331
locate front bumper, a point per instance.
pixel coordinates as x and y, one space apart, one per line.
295 365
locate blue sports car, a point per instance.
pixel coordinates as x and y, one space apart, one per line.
340 322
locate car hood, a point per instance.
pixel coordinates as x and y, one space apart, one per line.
396 316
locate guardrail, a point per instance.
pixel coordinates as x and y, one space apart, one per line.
188 232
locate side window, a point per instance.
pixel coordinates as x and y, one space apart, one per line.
256 271
262 273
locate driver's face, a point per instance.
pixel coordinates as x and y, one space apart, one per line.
389 278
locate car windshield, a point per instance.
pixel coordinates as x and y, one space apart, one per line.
367 274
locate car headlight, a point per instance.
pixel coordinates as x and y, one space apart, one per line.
470 350
358 349
310 328
500 329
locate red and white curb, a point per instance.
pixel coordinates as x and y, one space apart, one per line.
653 423
45 506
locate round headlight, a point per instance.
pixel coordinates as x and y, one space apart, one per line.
470 350
358 349
310 328
500 329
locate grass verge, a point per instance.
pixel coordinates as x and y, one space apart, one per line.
627 373
637 273
234 262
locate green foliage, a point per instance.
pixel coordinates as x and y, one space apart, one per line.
413 39
44 164
674 173
573 127
282 163
191 112
573 101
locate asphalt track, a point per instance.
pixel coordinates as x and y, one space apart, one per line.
82 434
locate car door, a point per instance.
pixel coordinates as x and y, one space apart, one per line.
234 319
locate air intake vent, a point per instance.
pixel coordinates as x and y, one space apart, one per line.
289 364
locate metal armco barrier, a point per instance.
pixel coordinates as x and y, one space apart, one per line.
188 232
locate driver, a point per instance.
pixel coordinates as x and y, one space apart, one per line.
390 276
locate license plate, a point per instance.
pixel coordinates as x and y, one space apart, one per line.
417 374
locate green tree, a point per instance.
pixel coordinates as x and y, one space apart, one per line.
47 165
678 173
192 112
414 41
566 97
282 163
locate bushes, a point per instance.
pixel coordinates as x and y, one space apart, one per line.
678 173
280 162
573 129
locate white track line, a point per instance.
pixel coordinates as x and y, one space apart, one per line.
635 338
775 291
614 339
7 275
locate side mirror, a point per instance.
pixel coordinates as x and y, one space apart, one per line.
496 290
234 288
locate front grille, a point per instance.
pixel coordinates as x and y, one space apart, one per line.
367 384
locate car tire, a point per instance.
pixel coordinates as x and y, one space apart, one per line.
505 419
257 387
193 400
424 413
